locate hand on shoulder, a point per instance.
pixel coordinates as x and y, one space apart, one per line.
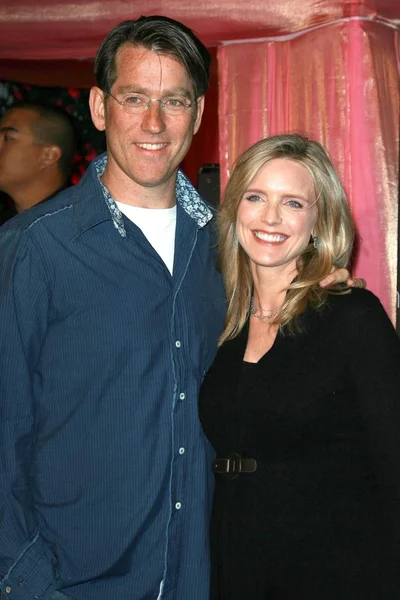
342 276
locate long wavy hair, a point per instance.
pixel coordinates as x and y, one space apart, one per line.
334 227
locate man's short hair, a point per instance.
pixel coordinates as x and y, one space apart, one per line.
157 34
53 125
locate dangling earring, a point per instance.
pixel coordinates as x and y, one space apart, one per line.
315 240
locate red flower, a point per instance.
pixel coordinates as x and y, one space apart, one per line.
74 179
77 158
74 92
17 94
91 155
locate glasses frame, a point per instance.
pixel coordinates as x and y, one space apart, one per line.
147 104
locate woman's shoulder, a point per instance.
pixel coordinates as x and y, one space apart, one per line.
355 305
358 298
356 319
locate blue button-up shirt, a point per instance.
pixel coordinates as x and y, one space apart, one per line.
105 478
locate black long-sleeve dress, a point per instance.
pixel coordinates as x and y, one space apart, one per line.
320 413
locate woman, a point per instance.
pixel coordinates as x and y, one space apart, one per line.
302 403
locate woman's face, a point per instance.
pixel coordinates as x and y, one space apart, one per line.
277 215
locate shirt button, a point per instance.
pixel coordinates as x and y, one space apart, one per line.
178 505
181 450
8 590
182 396
177 344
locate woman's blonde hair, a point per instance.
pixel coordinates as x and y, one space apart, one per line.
334 228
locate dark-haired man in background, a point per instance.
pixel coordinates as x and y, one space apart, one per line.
113 305
37 145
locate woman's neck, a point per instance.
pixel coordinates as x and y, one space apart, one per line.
270 285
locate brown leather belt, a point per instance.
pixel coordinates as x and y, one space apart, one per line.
233 466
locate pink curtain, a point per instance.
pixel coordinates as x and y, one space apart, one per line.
340 85
65 29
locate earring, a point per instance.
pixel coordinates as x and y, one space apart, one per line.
315 240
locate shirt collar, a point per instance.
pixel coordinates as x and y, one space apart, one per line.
186 195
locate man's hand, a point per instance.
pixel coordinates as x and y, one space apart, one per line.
342 276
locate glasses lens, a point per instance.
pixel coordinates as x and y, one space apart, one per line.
175 106
136 103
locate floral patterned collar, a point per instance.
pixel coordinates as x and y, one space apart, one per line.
186 195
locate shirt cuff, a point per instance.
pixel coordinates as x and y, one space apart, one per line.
32 576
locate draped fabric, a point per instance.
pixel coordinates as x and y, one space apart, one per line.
62 29
340 85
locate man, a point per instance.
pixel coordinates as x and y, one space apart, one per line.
37 144
113 305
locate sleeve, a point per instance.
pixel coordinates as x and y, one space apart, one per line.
27 564
374 361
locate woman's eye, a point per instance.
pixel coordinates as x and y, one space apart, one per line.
294 204
253 198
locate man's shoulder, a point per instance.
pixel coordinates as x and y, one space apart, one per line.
6 213
54 211
29 218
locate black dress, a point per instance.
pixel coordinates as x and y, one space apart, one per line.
320 413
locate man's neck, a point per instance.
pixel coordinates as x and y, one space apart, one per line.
32 195
130 192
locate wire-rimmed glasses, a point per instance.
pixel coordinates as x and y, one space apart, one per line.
138 103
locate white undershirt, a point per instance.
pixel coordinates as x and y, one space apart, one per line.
158 225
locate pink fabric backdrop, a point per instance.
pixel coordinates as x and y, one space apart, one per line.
339 84
63 29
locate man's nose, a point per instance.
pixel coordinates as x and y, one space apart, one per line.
153 117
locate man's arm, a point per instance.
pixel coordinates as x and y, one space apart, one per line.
27 565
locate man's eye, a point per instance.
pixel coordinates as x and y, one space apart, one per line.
174 102
137 100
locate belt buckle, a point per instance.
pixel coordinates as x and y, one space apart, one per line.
234 466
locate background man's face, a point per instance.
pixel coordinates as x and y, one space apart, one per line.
19 154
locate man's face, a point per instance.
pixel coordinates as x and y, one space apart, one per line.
146 148
20 156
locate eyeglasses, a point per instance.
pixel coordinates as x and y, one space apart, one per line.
137 103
